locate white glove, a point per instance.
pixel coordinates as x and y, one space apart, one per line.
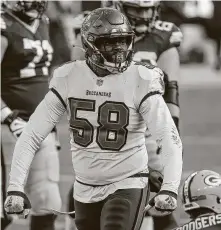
14 122
17 126
17 203
166 201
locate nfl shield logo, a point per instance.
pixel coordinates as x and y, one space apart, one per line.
99 82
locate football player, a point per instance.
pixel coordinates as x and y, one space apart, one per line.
156 42
110 101
26 55
202 200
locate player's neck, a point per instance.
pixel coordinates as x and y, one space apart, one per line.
98 71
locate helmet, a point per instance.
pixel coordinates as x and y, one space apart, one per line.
202 193
27 10
139 12
108 40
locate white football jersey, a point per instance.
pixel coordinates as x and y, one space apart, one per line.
107 117
106 128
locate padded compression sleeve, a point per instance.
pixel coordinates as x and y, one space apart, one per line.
160 123
40 124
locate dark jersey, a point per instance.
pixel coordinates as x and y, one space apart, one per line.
25 66
207 222
163 36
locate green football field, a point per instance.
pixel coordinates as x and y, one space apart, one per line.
200 100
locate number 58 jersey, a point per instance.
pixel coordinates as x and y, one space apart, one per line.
106 127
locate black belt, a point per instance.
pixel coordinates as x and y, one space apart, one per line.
133 176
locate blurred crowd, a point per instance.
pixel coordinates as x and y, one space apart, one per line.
200 22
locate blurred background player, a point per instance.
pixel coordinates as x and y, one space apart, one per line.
200 23
156 42
202 200
26 56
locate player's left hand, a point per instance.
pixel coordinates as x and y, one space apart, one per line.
166 201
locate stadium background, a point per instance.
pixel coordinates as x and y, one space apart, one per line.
200 86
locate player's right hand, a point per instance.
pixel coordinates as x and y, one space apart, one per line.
17 203
15 124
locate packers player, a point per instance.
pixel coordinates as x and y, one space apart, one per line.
110 101
26 56
202 200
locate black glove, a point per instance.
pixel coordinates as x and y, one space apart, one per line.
155 180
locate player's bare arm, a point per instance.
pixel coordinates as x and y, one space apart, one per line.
169 62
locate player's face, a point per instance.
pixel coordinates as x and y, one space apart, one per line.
31 8
113 49
140 13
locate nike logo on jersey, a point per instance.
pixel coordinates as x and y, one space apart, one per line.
98 93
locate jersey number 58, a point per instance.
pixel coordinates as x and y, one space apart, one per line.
113 119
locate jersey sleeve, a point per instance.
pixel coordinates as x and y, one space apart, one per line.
150 82
40 124
58 84
161 126
157 117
